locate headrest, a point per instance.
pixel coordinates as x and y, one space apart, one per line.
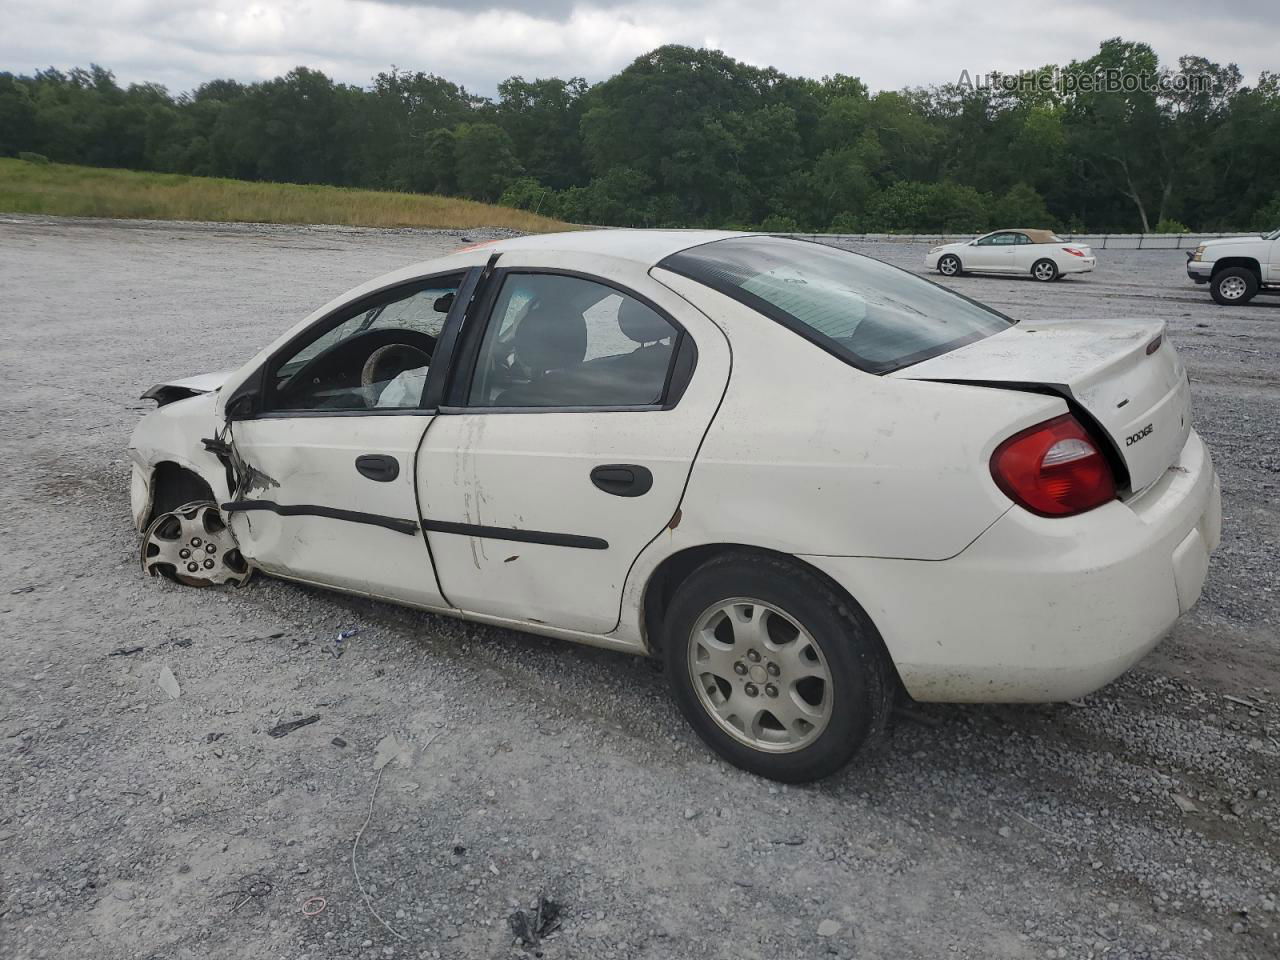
550 338
640 323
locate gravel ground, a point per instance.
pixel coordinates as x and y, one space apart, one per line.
1141 822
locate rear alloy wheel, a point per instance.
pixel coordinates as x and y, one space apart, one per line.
192 545
949 265
1233 286
1044 270
774 669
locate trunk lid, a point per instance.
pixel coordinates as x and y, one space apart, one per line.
1123 373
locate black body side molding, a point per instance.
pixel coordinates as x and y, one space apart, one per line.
332 513
518 536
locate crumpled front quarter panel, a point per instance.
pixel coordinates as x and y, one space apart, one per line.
173 434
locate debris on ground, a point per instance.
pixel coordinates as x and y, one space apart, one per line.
252 886
387 750
287 727
390 748
828 928
126 651
1185 804
348 634
269 636
531 926
167 682
338 742
213 737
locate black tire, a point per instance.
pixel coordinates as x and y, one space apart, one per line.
949 265
862 685
1045 270
1241 286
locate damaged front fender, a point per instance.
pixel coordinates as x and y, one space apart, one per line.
172 434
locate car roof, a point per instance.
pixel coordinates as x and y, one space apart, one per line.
645 247
1037 236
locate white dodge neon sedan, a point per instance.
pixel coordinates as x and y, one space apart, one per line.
807 480
1036 253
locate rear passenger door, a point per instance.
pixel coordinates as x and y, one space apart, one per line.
570 424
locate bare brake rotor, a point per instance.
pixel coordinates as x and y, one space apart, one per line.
192 545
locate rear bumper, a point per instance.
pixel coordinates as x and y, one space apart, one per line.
1040 609
1079 265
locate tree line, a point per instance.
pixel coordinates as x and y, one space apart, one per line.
689 137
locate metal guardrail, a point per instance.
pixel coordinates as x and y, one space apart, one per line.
1099 241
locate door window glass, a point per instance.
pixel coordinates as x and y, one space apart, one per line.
374 359
558 341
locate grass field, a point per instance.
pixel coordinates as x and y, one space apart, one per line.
62 190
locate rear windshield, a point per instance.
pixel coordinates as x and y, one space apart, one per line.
869 314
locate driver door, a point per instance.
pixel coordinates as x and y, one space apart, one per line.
995 253
326 457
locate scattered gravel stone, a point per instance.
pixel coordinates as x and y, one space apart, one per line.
576 753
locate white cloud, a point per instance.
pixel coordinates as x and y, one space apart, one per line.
893 44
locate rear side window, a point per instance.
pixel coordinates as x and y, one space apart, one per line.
562 341
871 315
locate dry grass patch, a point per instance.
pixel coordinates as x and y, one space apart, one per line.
62 190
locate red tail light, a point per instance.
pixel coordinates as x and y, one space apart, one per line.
1054 469
1074 252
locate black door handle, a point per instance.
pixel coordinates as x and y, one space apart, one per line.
622 479
378 466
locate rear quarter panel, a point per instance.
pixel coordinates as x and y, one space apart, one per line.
809 455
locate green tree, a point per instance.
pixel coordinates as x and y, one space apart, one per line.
542 118
1021 206
485 160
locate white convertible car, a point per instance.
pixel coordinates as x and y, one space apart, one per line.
1041 254
807 480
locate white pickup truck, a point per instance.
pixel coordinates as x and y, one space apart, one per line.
1237 268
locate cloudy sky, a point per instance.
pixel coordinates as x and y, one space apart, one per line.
890 43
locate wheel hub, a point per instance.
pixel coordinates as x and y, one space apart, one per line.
1232 288
760 675
193 546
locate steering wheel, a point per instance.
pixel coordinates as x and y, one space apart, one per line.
385 364
343 363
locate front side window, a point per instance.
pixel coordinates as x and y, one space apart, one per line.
375 358
560 341
1004 239
874 316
